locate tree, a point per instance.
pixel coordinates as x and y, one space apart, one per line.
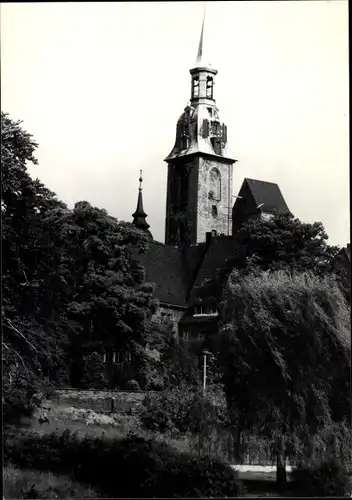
283 343
107 299
283 242
32 347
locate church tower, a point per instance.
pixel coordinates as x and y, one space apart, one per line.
199 180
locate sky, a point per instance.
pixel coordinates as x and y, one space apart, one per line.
101 86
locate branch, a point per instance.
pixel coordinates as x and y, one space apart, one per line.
21 334
14 350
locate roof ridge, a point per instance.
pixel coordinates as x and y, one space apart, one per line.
258 180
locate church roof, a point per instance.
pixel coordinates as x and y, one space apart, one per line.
218 252
164 265
267 194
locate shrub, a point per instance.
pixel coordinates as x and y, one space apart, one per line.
26 483
185 410
133 385
94 373
323 477
19 389
157 469
167 410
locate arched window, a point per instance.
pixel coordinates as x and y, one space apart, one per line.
209 87
195 87
215 184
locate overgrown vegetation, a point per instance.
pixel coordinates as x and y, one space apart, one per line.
285 338
158 470
28 483
70 279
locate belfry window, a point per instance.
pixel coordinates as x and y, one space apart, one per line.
209 87
195 87
216 143
214 211
215 128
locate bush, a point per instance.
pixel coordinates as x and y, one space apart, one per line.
94 373
185 410
19 390
167 410
157 469
325 477
133 385
26 483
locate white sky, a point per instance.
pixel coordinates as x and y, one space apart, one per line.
101 86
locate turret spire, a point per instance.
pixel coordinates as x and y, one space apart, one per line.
139 215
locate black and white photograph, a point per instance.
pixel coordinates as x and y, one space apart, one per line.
175 253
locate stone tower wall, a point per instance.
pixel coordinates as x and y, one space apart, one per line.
206 219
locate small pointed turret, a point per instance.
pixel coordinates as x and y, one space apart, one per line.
139 215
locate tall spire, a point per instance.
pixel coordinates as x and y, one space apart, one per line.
201 62
139 215
200 47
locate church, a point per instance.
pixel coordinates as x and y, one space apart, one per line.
201 219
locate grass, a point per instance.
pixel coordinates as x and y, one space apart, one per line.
61 419
28 483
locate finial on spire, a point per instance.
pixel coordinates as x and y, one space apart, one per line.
201 62
200 47
139 216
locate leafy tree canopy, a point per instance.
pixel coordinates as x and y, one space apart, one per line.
282 242
69 276
284 341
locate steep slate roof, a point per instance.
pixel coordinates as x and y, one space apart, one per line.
164 266
268 193
179 272
219 250
193 256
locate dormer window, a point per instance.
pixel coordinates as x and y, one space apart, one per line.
195 87
205 310
209 87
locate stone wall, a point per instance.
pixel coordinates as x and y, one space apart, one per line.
99 401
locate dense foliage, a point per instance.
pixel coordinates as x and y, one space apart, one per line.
158 470
283 242
70 278
284 342
33 346
325 477
186 410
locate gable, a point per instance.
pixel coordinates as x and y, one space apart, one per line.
268 194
